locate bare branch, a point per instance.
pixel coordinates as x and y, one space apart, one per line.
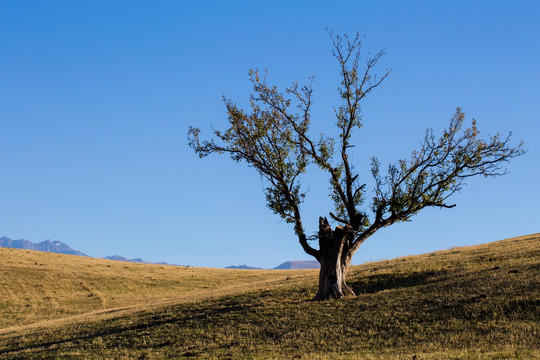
440 167
338 219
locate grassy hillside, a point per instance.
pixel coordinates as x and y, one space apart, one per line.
36 286
480 302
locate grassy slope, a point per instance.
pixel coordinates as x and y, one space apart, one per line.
475 302
36 286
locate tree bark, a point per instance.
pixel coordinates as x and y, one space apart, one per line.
334 260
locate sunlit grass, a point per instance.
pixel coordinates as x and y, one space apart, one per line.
478 302
43 286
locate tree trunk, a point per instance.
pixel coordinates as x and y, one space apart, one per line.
334 262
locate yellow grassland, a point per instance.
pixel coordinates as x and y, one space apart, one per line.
477 302
37 286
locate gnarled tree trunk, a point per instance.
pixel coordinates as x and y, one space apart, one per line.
335 260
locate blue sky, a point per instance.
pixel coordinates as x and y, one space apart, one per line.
96 98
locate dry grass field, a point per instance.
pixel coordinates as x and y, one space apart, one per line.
479 302
38 286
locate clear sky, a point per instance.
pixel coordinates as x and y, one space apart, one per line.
96 98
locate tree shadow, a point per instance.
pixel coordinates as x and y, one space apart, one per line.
378 282
144 321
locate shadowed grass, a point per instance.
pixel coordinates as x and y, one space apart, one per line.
478 302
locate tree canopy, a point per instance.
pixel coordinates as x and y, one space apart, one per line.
273 137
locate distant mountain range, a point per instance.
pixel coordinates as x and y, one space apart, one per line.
47 246
299 265
287 265
62 248
243 267
58 247
121 258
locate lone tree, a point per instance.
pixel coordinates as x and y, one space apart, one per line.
273 137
